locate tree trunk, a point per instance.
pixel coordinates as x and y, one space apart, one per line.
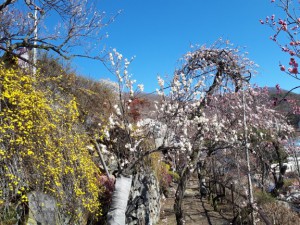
279 181
116 213
201 178
179 213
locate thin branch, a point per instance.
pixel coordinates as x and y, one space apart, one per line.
283 98
139 159
5 4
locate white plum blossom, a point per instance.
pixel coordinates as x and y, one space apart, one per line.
117 110
161 82
141 87
111 121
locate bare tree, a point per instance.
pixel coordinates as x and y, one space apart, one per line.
61 25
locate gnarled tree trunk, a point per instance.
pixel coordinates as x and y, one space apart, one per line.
179 213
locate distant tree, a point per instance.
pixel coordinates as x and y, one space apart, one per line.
24 25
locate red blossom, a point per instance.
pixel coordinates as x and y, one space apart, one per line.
292 53
277 87
284 27
293 70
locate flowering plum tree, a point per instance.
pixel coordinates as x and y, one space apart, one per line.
200 112
206 72
285 34
267 129
125 135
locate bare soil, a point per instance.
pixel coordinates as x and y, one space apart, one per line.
197 211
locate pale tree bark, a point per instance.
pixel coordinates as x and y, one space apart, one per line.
116 213
250 187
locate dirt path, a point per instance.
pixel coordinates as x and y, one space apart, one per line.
198 211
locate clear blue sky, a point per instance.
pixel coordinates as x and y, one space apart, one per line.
159 32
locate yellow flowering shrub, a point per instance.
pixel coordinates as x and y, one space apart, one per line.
42 146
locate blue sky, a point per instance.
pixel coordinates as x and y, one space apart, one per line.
159 32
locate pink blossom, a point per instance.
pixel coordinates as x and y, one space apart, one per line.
292 61
273 17
293 70
294 28
282 68
261 21
292 52
284 27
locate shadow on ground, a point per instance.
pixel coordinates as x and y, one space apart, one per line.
197 211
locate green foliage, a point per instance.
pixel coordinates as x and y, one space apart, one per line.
263 197
163 171
8 216
287 184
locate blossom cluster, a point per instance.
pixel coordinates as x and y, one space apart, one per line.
285 33
293 69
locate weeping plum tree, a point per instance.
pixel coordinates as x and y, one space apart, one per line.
206 73
207 107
